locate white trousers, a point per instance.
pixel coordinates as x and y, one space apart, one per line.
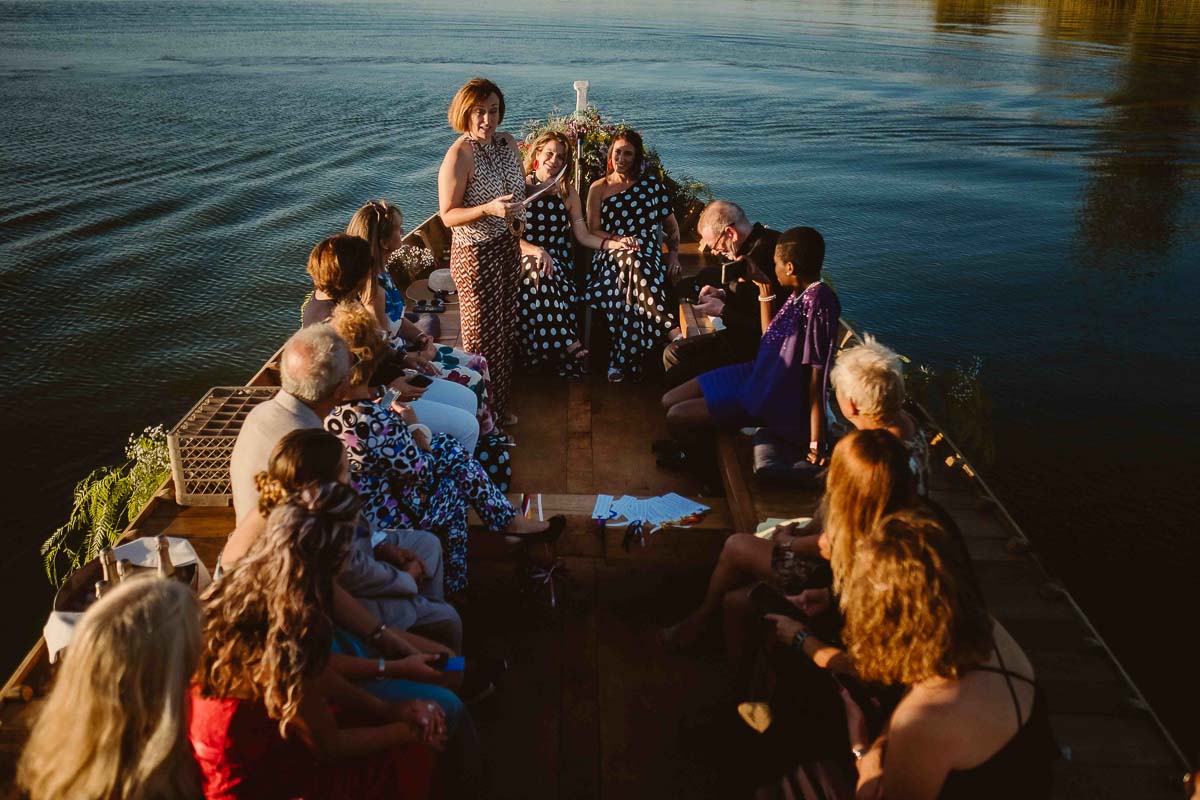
448 407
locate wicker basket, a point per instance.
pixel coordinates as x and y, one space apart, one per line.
202 443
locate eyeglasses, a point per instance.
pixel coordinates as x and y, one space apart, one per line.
717 246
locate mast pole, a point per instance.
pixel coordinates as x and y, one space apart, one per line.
581 90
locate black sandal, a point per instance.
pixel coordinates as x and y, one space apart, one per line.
573 363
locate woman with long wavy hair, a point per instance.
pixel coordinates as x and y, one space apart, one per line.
632 289
115 725
260 715
973 723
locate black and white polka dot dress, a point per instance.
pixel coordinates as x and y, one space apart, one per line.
631 288
546 307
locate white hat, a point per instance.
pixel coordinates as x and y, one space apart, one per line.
440 281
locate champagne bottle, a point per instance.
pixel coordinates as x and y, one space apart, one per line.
124 569
102 587
165 568
107 565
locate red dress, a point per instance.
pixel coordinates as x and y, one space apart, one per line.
242 756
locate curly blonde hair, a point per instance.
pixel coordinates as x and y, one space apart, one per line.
869 477
368 348
115 725
266 623
913 608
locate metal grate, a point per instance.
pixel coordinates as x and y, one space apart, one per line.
202 443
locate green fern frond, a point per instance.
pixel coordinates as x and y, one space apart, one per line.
104 503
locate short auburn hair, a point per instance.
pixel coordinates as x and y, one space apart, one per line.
340 265
474 92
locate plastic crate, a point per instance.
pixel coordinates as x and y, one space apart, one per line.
202 443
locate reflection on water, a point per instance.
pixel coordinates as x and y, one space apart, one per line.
1131 210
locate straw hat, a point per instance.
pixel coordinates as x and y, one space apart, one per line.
440 281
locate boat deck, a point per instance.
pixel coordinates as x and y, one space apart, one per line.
591 705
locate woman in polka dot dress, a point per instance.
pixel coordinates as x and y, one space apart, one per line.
631 289
549 326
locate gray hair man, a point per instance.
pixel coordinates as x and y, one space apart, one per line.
314 369
314 375
728 293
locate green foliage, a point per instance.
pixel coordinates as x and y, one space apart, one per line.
105 502
956 399
594 135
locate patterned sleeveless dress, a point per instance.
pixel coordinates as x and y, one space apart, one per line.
631 289
546 308
485 264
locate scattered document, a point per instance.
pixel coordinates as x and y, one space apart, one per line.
653 510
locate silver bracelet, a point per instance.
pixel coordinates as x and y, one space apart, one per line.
766 299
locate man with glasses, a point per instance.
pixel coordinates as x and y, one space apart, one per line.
726 292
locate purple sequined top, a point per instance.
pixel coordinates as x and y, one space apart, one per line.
802 333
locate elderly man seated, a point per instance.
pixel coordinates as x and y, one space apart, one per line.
733 297
314 376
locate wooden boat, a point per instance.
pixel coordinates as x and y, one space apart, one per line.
591 705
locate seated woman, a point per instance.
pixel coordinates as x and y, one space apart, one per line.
382 226
401 586
792 367
549 326
974 723
631 288
395 574
139 644
340 267
261 724
407 476
869 387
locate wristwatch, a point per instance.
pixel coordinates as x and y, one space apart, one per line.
798 640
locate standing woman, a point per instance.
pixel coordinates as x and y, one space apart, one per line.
546 311
631 288
480 189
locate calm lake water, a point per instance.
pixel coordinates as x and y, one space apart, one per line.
1017 181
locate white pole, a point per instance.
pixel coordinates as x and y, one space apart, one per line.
581 90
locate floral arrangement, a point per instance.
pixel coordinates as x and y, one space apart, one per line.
410 261
105 502
594 135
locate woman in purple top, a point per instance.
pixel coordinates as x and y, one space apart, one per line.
791 371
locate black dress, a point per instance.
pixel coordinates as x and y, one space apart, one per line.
546 315
631 289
